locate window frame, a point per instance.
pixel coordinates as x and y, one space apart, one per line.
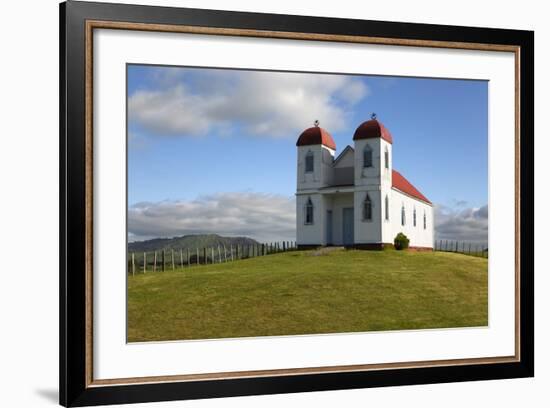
368 201
309 206
368 149
309 156
424 220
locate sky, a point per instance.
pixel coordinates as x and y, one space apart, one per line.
213 150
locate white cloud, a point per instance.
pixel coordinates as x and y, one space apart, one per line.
261 103
264 217
464 224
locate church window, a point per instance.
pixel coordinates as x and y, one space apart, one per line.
403 215
424 219
367 209
367 156
386 158
387 208
309 162
309 212
414 217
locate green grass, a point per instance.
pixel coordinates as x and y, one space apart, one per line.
301 293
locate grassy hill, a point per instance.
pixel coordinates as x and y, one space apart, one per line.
188 242
306 292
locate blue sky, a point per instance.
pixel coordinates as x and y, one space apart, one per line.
202 138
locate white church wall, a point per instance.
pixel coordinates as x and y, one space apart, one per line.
378 173
367 231
322 167
418 236
387 235
310 234
365 176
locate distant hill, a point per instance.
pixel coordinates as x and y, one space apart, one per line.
191 242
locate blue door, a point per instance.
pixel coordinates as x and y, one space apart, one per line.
329 227
347 232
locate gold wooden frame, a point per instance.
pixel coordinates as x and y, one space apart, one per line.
98 24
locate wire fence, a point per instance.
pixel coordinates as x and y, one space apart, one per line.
170 259
462 247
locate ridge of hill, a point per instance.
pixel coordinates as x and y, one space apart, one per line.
188 242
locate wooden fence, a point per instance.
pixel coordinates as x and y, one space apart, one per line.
461 247
170 259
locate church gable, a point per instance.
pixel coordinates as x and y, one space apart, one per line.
345 159
343 171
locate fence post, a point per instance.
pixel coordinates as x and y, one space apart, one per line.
173 264
469 248
145 262
133 265
181 257
163 260
198 257
188 257
155 262
231 249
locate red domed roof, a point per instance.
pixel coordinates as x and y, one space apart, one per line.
316 136
371 129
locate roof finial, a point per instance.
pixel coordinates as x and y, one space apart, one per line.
316 123
373 115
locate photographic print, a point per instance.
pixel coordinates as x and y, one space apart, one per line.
268 203
257 203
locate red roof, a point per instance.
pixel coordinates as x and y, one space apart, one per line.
402 184
371 129
316 136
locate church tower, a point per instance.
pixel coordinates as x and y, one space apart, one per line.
373 182
316 150
315 156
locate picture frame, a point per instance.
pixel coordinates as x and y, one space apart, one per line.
78 20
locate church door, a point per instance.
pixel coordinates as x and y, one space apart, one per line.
347 232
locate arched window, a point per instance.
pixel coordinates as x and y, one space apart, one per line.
403 214
309 162
367 156
367 209
424 219
386 158
309 211
414 217
386 208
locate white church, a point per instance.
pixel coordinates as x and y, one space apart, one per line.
357 199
